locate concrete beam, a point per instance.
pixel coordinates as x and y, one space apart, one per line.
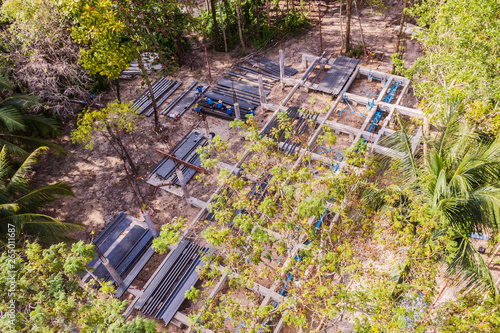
182 318
307 58
386 106
279 326
405 90
382 75
290 81
267 292
130 308
384 90
274 107
196 202
218 287
313 138
384 125
366 122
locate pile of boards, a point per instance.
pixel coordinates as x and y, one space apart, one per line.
184 101
241 85
126 243
336 77
184 150
301 120
162 90
166 291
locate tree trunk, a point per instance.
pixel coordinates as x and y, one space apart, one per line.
118 95
360 28
401 34
222 26
287 12
123 151
267 13
114 274
341 27
216 25
149 222
348 26
238 14
320 35
178 43
256 14
206 56
150 88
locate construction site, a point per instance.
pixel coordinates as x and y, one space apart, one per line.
356 103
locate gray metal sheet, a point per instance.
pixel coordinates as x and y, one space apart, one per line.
338 75
170 280
134 272
188 280
254 90
168 264
166 166
120 251
159 102
189 96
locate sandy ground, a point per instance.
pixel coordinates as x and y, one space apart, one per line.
97 176
98 179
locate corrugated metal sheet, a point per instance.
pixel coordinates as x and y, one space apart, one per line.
337 76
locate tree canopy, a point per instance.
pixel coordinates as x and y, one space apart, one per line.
48 297
461 41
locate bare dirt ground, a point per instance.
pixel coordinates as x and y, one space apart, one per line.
97 177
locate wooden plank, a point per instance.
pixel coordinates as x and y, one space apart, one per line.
192 166
182 150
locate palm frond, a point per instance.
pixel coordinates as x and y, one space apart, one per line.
11 119
374 198
8 208
450 125
469 268
5 84
18 181
37 124
31 143
41 196
4 163
13 149
401 141
20 102
42 226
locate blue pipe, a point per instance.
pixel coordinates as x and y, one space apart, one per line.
322 218
350 107
392 92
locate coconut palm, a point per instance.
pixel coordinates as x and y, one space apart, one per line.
20 204
16 123
460 180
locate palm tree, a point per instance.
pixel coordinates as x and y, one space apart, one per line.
15 122
460 180
20 204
